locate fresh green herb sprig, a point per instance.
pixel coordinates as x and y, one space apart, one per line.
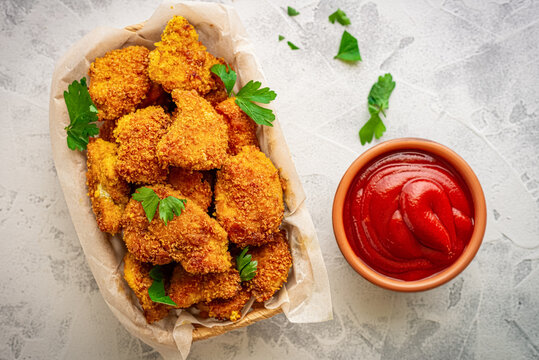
246 266
157 289
168 207
340 17
292 46
281 37
292 12
378 101
248 95
82 115
349 49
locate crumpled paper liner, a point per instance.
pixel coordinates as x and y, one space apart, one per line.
306 295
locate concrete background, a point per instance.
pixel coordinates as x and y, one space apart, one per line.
466 74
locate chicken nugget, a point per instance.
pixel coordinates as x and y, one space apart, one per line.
241 128
274 262
188 289
138 134
180 61
137 276
119 81
226 309
139 241
192 185
107 191
197 138
156 96
193 239
249 198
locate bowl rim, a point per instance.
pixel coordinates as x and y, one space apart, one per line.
471 181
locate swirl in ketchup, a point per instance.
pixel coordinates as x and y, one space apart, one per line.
408 214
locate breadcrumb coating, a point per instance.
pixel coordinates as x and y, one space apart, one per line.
241 128
139 241
226 309
197 138
107 191
249 198
180 61
137 276
188 289
156 96
193 239
274 262
119 81
191 184
138 135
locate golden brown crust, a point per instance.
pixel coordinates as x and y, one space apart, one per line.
248 198
138 134
180 61
226 309
197 138
108 192
274 262
119 81
192 185
137 276
156 96
193 239
188 289
241 128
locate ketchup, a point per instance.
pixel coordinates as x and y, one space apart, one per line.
408 214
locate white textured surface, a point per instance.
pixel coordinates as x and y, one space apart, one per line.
466 76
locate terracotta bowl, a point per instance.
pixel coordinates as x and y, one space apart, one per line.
480 215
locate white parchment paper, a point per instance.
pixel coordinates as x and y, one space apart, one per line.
306 295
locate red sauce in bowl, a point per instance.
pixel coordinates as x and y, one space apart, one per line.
408 214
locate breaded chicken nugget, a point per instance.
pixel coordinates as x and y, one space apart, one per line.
108 192
192 185
197 138
274 262
119 81
138 134
188 289
249 198
139 241
193 239
137 275
180 61
241 128
226 309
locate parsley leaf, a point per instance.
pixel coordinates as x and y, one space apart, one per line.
248 95
246 267
149 199
292 12
281 38
348 50
340 16
227 75
82 115
157 289
168 207
378 101
292 46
